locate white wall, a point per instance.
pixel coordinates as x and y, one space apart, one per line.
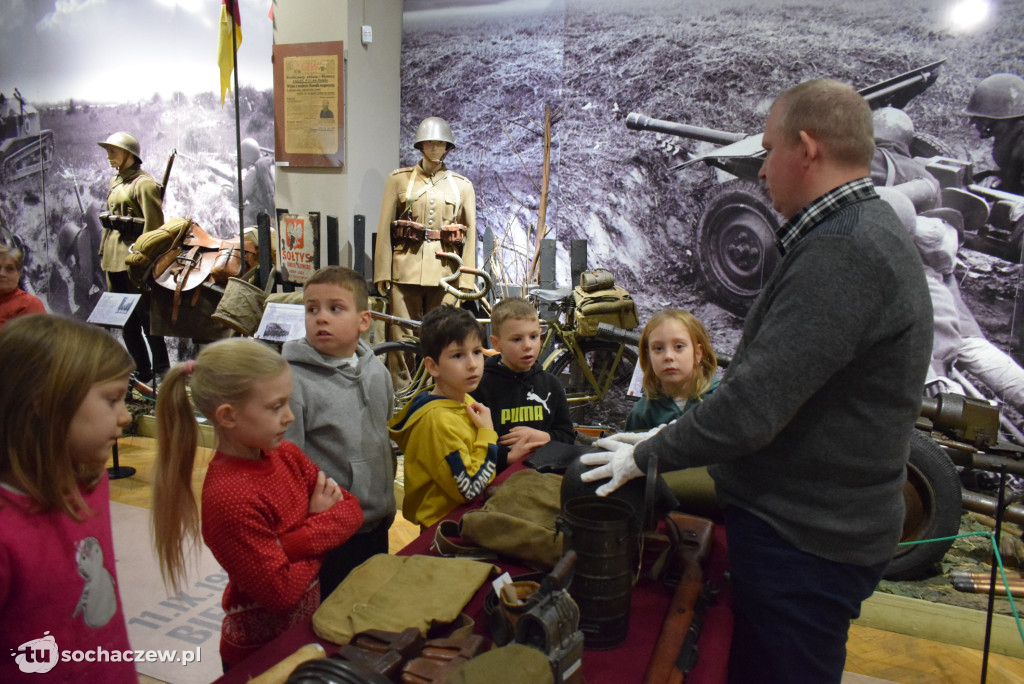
372 100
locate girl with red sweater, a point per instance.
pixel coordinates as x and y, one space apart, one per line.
268 513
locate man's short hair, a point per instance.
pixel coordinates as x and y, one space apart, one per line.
346 278
832 113
443 326
511 309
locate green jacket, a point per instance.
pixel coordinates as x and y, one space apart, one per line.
650 413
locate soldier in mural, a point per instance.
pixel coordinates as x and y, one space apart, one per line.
134 206
996 109
892 164
426 209
257 182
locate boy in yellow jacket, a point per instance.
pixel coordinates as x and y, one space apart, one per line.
448 438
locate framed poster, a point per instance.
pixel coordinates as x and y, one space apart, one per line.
298 248
309 104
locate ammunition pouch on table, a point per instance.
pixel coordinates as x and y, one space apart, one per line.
452 235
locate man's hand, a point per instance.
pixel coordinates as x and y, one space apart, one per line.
617 463
383 287
633 438
326 493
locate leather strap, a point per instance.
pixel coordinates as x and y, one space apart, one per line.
444 544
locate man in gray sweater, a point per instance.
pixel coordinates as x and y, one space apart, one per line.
807 438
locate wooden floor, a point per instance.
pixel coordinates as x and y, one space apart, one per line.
873 655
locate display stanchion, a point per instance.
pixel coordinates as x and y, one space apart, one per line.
112 311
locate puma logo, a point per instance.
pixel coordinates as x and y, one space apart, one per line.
532 396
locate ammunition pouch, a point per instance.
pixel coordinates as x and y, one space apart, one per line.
453 235
383 651
130 227
440 658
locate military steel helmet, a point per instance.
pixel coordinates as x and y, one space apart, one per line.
123 141
1000 96
434 128
250 151
893 125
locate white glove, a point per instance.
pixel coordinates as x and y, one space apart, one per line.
633 438
617 463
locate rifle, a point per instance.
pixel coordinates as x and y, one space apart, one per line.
167 172
675 652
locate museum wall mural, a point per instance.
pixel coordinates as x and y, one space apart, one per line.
71 74
677 233
674 233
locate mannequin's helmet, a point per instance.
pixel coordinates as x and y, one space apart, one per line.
1000 96
893 125
434 128
123 141
250 152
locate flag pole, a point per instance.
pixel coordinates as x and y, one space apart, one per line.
238 136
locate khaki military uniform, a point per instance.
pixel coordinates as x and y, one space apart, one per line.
411 266
133 192
436 202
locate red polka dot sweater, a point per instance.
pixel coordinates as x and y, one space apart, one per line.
256 521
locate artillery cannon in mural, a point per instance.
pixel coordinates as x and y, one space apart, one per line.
735 231
24 148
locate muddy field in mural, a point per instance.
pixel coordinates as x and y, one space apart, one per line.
54 214
493 74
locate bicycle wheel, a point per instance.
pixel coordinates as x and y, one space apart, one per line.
389 353
585 404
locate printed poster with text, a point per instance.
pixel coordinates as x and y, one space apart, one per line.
308 107
297 248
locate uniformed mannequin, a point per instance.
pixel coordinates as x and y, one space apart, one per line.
426 209
133 198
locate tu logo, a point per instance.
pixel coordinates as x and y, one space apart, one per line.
37 656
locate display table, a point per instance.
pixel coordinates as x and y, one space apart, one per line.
649 605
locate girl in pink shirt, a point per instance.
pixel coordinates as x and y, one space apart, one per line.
61 410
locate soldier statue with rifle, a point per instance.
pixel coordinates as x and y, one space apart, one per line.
134 205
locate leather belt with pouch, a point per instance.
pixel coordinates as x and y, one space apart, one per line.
404 229
130 227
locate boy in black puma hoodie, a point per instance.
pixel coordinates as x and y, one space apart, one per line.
527 403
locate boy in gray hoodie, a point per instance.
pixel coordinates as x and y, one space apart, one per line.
342 401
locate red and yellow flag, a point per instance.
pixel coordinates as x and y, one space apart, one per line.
225 57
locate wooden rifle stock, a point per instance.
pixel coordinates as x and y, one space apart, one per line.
691 537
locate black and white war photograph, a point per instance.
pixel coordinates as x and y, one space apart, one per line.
649 115
74 74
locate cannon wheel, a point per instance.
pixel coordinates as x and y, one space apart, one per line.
925 145
933 509
736 243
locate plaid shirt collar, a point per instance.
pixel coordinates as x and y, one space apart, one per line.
817 211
